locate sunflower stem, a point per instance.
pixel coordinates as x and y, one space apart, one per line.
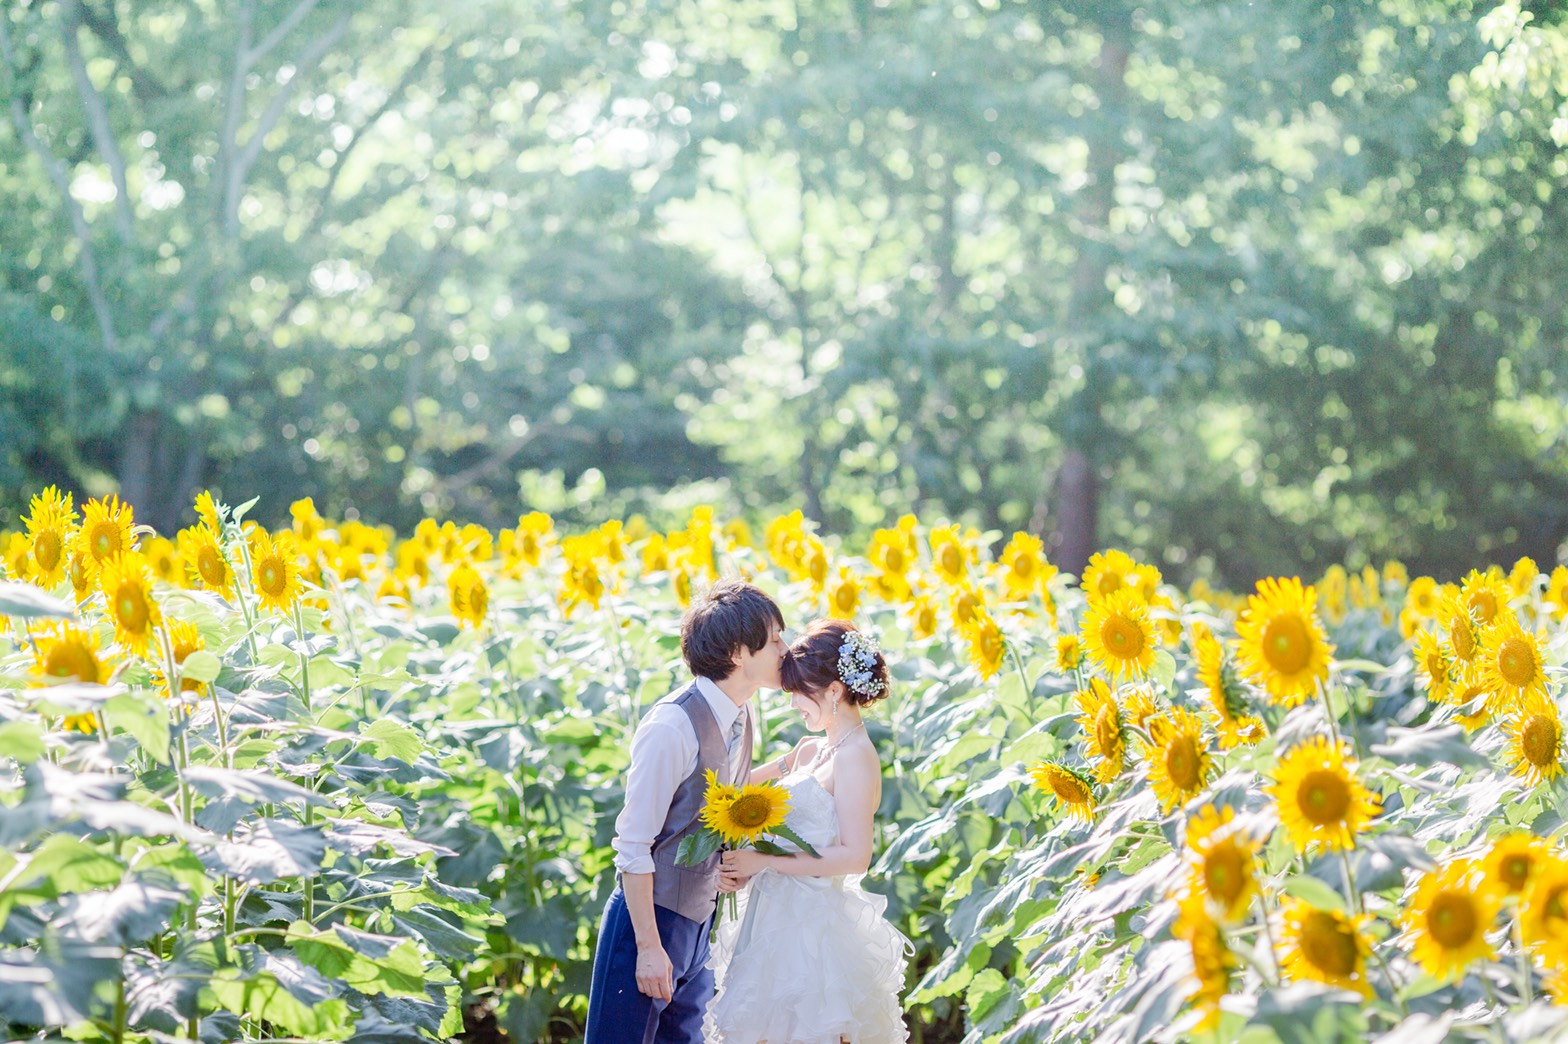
1328 708
246 608
1525 992
1018 663
1350 882
1395 987
1268 932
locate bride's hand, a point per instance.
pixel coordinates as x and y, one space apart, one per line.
743 863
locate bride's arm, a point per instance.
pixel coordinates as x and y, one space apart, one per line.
856 775
780 766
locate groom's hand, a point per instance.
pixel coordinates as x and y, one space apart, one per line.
655 974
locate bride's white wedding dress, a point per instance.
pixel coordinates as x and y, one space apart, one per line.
809 960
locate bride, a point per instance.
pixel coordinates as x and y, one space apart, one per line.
810 959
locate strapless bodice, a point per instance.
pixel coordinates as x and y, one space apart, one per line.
812 812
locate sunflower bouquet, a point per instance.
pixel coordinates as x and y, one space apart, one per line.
738 817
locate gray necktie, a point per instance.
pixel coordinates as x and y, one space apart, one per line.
733 745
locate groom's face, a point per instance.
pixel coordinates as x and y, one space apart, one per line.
761 668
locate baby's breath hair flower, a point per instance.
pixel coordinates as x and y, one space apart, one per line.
857 660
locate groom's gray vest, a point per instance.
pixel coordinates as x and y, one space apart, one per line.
692 891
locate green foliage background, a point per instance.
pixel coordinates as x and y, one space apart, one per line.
1249 287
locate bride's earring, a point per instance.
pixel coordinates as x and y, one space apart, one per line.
835 710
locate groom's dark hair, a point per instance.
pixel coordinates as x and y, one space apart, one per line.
722 619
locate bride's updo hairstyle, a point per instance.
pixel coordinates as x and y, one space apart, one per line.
834 651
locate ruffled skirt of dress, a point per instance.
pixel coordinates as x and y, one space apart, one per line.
809 960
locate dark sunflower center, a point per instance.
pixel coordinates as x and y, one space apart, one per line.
1121 636
71 660
1539 739
1107 730
1515 872
1328 945
1323 797
1516 662
1070 790
1452 920
272 577
1287 646
751 811
1225 874
130 607
105 540
952 559
1462 638
46 550
1181 762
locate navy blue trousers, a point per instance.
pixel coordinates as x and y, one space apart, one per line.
620 1013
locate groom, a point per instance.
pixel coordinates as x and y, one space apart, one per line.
650 977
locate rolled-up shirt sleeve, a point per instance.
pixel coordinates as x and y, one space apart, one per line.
662 754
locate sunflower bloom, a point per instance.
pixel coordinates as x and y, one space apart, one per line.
1223 861
1118 636
1071 788
740 815
1282 643
1319 796
987 646
923 617
1025 569
1511 863
275 570
69 653
1326 946
1535 740
1178 759
1218 676
1109 572
51 520
893 553
1543 911
18 556
1213 963
843 595
108 528
532 537
184 639
126 581
1433 668
1448 919
1511 660
1069 653
65 652
950 556
202 551
1484 595
1104 731
467 595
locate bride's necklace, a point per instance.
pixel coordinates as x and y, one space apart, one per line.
827 752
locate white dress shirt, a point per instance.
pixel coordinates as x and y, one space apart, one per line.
664 752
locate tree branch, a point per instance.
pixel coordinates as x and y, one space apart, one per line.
249 58
240 169
87 260
97 118
106 27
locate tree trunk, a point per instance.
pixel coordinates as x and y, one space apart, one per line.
1077 497
1075 491
138 454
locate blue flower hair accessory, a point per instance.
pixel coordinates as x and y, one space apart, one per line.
857 660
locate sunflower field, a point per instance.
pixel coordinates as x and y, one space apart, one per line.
333 783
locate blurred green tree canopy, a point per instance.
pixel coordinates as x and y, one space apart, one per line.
1245 287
